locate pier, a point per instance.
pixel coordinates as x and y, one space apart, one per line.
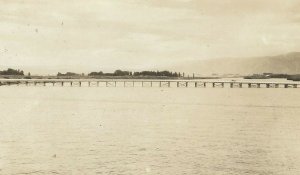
145 83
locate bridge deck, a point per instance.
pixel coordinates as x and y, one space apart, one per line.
147 83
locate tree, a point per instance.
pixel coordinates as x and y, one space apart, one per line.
95 73
121 73
10 71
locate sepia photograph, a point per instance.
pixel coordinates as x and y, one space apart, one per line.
158 87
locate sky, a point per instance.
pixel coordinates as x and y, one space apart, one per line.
50 36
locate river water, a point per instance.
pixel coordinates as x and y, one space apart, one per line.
176 131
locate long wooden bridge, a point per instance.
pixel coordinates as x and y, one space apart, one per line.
146 83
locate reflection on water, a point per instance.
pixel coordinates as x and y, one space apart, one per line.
55 130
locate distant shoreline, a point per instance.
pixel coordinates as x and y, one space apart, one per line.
287 77
117 74
104 77
270 76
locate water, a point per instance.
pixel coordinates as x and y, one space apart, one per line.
65 130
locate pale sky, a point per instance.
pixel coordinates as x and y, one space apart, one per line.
47 36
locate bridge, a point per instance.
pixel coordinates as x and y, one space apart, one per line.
146 83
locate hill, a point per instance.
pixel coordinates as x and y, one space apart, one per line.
281 64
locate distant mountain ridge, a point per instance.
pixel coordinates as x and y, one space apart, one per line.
281 64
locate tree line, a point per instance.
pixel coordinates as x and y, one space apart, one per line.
142 73
165 73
